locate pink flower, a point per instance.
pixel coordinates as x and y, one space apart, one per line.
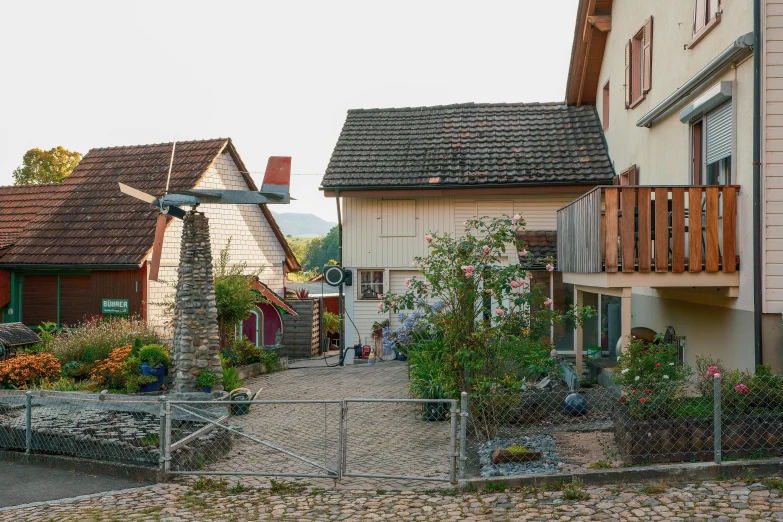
647 391
380 296
633 392
550 267
394 303
713 370
428 237
485 249
468 270
657 365
523 253
529 275
408 283
622 399
516 218
548 302
515 284
427 283
499 311
643 400
380 306
742 388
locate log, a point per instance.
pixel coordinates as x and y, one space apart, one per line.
503 456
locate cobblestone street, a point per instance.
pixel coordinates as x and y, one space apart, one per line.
723 501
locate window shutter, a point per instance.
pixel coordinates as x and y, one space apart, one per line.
714 9
719 139
648 37
628 74
699 15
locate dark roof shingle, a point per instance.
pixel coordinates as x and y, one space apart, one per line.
470 144
540 244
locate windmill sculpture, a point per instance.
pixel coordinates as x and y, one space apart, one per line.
196 342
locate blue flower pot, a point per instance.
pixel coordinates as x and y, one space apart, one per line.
159 372
206 389
401 356
574 404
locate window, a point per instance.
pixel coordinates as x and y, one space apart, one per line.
629 176
605 108
638 65
706 15
712 140
370 284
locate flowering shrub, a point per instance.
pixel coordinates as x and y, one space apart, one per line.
651 377
109 371
482 302
27 370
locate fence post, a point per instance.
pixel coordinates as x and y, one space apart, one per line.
166 435
340 442
717 418
463 432
162 434
344 456
28 426
453 442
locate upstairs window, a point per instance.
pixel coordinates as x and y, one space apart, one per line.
370 284
712 141
706 15
638 65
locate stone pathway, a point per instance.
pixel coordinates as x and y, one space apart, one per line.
722 501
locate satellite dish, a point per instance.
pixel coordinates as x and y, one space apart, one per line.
335 275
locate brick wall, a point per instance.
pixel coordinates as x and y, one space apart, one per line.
252 239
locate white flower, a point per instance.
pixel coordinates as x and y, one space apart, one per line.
665 376
671 364
625 371
637 378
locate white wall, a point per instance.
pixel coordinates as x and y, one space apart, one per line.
252 239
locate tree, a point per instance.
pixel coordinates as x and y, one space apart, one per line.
321 250
46 166
234 294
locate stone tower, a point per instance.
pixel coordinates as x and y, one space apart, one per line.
196 341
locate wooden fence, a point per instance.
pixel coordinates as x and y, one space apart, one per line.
650 228
302 337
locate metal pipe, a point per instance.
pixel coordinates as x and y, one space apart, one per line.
340 288
399 477
420 401
463 433
167 440
453 442
340 448
28 425
717 418
251 474
741 46
227 403
757 181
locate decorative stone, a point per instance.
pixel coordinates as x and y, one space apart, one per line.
503 456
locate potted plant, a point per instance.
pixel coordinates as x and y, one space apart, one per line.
206 379
155 361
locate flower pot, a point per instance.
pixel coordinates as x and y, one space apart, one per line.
436 411
206 389
400 356
159 372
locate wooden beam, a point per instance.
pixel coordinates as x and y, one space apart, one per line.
601 22
589 39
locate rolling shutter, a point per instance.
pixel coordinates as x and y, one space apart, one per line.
719 137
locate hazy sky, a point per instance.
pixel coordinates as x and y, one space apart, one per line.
277 77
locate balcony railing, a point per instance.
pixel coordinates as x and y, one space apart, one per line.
650 229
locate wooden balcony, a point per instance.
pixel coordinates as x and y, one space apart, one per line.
655 236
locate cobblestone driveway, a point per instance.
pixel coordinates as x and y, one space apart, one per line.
724 501
383 438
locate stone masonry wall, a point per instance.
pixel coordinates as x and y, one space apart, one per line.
196 342
252 240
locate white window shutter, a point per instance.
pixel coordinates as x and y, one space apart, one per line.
719 133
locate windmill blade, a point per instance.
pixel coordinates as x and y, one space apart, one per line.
157 246
277 179
136 193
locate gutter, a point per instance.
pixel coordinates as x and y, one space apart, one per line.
340 298
757 181
27 266
469 186
741 47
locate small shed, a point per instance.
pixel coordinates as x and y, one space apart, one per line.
14 336
266 318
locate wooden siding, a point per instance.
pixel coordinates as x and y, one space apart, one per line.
80 295
302 332
773 157
398 217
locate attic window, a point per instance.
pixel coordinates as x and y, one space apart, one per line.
706 15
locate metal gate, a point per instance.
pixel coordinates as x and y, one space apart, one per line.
412 439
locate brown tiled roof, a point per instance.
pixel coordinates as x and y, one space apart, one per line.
541 244
21 204
469 145
89 222
17 334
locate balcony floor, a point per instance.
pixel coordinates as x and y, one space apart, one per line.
727 280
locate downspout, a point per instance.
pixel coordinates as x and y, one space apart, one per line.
757 180
340 263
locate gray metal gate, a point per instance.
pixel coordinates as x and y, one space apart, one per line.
412 439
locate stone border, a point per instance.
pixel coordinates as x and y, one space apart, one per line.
86 465
690 472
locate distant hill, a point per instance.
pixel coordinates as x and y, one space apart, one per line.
303 225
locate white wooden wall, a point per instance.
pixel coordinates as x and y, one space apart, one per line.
370 243
252 239
773 157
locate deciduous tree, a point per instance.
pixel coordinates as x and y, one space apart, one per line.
46 166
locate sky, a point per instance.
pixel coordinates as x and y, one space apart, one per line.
277 77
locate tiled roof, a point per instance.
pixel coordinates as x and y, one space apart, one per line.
87 221
540 244
21 204
16 334
469 144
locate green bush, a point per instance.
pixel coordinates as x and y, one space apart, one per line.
270 359
430 377
206 378
231 380
241 352
155 355
331 323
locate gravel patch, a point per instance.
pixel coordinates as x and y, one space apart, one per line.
550 461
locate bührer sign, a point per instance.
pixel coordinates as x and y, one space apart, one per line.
114 306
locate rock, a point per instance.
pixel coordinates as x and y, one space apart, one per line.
504 456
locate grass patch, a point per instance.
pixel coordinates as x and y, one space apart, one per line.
654 489
773 483
317 491
285 487
446 492
558 485
575 491
494 487
601 464
210 484
150 439
237 488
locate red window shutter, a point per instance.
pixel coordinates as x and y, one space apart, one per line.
628 74
648 38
